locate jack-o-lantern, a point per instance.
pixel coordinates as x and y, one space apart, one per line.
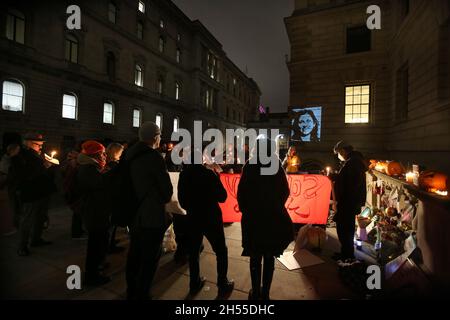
391 212
381 166
394 168
433 180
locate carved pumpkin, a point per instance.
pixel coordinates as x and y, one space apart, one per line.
391 212
381 166
394 168
433 180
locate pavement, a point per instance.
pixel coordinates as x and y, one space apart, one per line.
42 275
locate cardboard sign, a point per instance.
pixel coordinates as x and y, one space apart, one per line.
308 201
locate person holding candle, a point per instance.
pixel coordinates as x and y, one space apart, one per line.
291 162
32 181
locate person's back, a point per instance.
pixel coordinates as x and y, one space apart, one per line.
200 191
151 183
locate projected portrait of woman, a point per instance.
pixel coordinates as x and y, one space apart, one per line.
305 126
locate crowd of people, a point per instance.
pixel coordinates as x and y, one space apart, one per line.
129 185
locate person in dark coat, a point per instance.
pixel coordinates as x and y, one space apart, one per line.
267 229
91 184
350 192
199 193
113 153
32 181
153 188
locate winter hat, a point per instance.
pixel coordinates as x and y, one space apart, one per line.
92 147
148 131
342 145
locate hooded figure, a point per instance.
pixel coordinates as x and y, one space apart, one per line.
267 229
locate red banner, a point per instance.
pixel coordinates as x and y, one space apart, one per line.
308 201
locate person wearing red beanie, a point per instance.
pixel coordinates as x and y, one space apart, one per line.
96 151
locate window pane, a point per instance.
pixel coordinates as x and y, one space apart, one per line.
357 99
136 118
365 108
159 121
69 106
175 125
348 99
20 30
365 98
67 50
365 90
141 7
107 113
12 98
10 27
112 13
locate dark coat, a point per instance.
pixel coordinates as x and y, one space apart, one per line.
199 193
266 226
152 185
350 185
28 178
91 185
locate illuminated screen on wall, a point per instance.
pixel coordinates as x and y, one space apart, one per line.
305 123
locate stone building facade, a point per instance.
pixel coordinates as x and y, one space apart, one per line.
386 91
130 62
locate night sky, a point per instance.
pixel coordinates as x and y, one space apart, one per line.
253 35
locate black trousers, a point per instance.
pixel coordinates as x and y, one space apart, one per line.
33 215
96 251
267 275
345 227
216 237
180 228
143 257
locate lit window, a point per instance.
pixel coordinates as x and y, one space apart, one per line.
177 91
112 12
141 7
71 49
108 113
70 105
176 124
140 30
159 121
161 24
13 96
136 118
357 102
178 57
161 44
15 26
138 76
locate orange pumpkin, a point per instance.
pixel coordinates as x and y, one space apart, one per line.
381 166
430 179
394 168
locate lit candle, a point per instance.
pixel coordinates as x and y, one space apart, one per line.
53 154
328 170
410 177
441 193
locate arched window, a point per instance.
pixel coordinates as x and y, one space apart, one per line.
138 76
141 6
111 65
176 124
108 112
71 48
13 94
112 12
136 117
15 26
70 106
159 120
177 90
